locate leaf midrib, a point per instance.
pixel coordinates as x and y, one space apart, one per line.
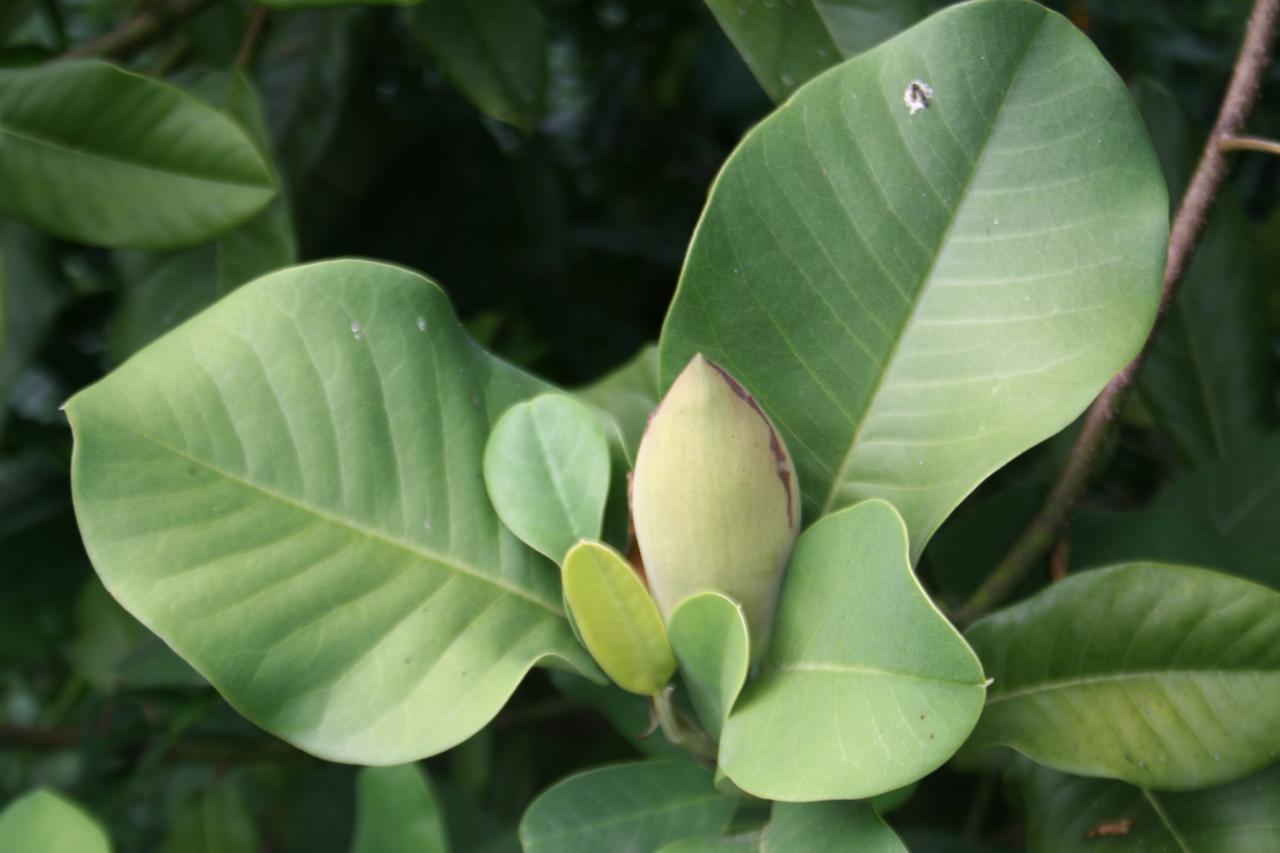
845 669
1133 675
126 163
923 288
325 515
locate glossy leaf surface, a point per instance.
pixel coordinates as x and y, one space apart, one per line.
865 686
618 620
288 490
626 807
107 157
45 822
546 468
493 50
916 299
709 637
785 44
1163 676
397 810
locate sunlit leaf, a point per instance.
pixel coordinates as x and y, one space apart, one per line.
865 687
917 298
288 490
546 468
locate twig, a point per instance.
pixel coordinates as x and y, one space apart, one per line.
141 31
1043 530
1249 143
245 54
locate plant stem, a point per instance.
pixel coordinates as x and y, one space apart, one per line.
244 55
1249 143
137 33
680 731
1046 527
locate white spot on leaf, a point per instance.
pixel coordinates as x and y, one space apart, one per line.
917 96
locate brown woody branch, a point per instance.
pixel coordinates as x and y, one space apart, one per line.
139 32
1047 527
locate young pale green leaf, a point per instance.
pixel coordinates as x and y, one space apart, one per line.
160 290
918 297
1167 677
104 156
866 687
828 828
640 806
1070 813
495 51
628 394
214 820
288 490
618 620
1209 377
709 637
785 44
43 822
546 468
397 810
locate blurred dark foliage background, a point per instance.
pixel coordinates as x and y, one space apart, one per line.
560 249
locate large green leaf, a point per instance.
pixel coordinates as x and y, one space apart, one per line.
617 618
397 810
626 808
161 290
546 468
104 156
1066 813
1209 376
1166 677
44 822
866 686
288 490
918 298
710 639
785 44
495 51
828 828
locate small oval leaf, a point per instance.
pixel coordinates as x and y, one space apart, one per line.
617 619
546 467
709 637
43 821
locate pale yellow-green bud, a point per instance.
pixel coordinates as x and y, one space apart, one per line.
714 497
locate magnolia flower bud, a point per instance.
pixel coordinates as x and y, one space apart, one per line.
714 497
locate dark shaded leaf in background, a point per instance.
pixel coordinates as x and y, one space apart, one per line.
1210 377
787 43
494 51
1239 817
104 156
